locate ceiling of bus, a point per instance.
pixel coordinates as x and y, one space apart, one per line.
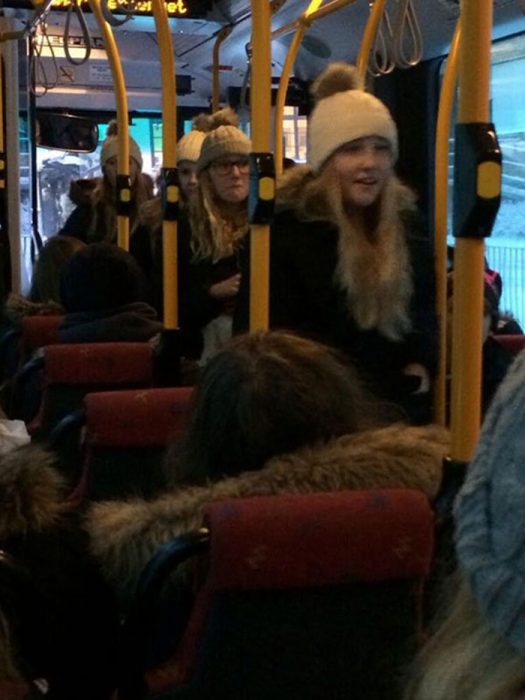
335 37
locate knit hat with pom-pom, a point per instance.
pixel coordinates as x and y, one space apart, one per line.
344 112
110 146
223 139
189 146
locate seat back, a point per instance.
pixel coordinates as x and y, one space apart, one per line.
126 434
307 596
71 371
513 343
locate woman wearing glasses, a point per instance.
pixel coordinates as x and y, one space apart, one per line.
218 222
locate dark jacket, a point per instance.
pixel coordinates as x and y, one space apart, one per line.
62 617
87 221
306 298
93 218
136 322
195 277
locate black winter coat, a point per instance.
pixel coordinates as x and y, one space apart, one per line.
305 298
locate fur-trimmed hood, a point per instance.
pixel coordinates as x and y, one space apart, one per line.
374 268
18 307
124 535
31 492
85 191
300 189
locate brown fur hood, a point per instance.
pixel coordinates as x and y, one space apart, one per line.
18 307
85 191
31 492
125 535
299 189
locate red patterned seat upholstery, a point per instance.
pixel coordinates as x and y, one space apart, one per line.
126 434
308 596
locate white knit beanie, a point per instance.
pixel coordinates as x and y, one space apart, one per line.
189 146
344 112
110 146
223 139
490 512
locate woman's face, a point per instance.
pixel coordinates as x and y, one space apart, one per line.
188 178
363 165
110 170
229 177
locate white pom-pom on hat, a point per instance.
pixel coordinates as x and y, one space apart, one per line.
344 112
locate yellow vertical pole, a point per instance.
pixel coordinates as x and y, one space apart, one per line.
169 147
2 143
474 86
124 191
285 81
260 121
446 101
368 37
216 86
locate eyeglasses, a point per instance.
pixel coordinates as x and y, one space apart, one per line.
225 167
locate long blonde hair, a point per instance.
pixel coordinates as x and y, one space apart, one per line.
216 229
466 660
373 266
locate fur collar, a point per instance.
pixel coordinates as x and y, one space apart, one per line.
124 535
373 267
31 492
18 307
87 191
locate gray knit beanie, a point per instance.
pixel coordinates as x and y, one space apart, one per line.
344 112
490 512
223 139
110 146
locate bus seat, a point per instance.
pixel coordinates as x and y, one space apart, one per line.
125 436
513 343
309 596
72 371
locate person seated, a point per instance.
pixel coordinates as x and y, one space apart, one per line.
44 295
59 625
272 413
95 216
477 650
104 295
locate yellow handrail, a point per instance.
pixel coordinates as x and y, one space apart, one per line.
2 142
122 115
222 34
446 101
284 82
300 25
474 80
368 37
169 161
260 120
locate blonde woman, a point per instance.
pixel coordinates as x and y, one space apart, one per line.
95 217
218 223
349 262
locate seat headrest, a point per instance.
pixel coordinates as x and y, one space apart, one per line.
308 540
99 363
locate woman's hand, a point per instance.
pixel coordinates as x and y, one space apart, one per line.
414 369
226 289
